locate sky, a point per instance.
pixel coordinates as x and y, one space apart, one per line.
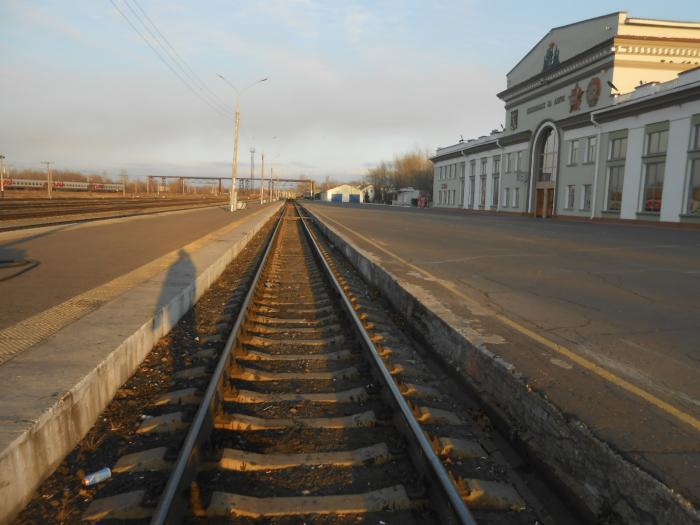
349 83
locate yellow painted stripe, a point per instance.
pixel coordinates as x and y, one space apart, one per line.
548 343
31 331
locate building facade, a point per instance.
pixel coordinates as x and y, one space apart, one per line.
602 121
342 193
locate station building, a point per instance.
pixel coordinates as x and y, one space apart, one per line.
602 120
342 193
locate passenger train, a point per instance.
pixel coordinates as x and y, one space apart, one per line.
61 185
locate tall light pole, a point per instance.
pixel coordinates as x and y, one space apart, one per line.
2 176
49 182
237 123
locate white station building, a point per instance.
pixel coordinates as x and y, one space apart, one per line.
342 193
602 121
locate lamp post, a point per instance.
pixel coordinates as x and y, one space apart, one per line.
233 198
2 176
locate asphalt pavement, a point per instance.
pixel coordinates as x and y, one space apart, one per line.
68 260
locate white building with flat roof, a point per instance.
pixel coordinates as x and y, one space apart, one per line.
602 121
343 193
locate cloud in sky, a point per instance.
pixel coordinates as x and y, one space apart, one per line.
350 83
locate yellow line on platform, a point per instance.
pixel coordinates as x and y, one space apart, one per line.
555 347
31 331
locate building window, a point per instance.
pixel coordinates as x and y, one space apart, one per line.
462 168
573 152
472 168
482 192
586 197
695 136
495 191
440 197
497 165
509 162
570 197
616 176
516 197
591 148
694 190
547 156
454 195
483 167
518 162
472 183
657 142
653 186
618 149
506 197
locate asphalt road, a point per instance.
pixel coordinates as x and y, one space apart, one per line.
75 258
623 297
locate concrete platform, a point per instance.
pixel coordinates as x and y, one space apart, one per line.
68 360
582 337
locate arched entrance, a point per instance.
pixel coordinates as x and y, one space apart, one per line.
543 178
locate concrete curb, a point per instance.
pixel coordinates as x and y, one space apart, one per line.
608 487
117 337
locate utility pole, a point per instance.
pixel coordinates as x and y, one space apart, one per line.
49 182
262 177
2 176
270 184
234 176
252 169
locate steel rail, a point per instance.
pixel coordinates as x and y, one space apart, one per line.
171 505
437 470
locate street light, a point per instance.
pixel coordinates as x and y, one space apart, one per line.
2 176
237 122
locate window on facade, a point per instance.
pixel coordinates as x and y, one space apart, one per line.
509 162
618 149
472 168
695 137
516 197
657 142
462 168
497 165
573 151
472 183
547 156
495 191
616 176
570 197
591 148
506 197
586 197
454 196
483 166
519 161
653 186
694 190
482 192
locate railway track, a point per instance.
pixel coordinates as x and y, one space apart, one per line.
318 410
10 210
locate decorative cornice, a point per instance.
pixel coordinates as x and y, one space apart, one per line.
567 67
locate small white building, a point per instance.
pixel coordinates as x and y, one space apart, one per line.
342 193
368 192
406 197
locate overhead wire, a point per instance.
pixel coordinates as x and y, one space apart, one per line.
177 58
218 110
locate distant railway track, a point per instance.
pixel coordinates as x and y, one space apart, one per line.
305 403
29 209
